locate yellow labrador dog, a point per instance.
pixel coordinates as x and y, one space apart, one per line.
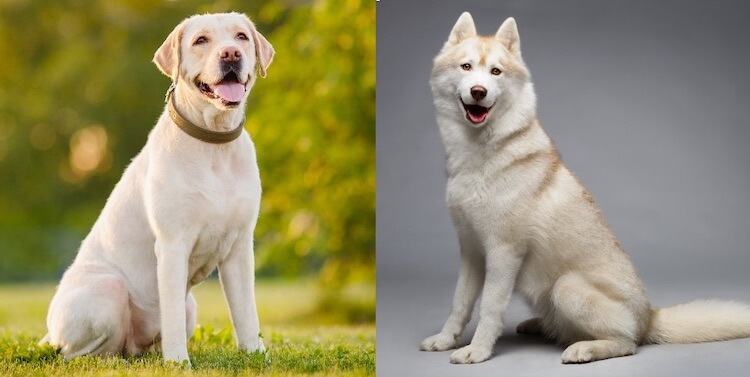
186 204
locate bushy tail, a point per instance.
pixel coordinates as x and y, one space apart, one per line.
699 321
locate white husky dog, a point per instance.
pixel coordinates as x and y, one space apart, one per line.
525 221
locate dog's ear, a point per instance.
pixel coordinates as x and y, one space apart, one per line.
464 28
264 52
508 35
167 57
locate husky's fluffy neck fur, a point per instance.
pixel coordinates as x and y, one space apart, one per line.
467 147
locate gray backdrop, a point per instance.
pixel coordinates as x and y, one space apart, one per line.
649 105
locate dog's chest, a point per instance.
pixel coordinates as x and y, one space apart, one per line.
227 203
228 194
481 195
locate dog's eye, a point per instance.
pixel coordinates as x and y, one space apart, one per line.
201 40
466 67
242 36
496 71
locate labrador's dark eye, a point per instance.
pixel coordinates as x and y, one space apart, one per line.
201 40
242 36
466 67
496 71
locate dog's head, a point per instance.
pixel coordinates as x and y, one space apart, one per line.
480 75
214 57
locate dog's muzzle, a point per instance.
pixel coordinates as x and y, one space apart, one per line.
229 67
230 89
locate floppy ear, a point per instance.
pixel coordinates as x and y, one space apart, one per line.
508 35
264 52
167 57
464 28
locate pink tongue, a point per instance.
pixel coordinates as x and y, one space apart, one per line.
477 118
230 91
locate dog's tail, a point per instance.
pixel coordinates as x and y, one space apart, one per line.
699 321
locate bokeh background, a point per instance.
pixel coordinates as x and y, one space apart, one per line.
79 94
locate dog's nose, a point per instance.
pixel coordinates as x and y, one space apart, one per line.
230 54
478 92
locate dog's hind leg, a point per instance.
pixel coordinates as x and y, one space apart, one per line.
90 318
600 326
591 350
531 326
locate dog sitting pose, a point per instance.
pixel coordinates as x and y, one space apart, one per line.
524 222
187 203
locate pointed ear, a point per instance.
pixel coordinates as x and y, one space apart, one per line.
264 52
464 28
508 35
167 57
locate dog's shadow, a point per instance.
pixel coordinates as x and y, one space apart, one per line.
512 342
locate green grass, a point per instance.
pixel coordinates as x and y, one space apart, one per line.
299 342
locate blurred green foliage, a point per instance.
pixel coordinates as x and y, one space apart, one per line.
79 94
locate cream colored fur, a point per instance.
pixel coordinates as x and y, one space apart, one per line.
182 208
526 223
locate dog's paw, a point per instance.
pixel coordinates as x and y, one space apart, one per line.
578 353
254 346
470 354
177 355
261 347
438 342
180 362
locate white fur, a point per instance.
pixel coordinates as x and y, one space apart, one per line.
700 321
525 222
182 208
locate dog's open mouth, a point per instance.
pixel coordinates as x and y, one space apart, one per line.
229 90
476 114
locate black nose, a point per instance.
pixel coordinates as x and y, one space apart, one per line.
478 92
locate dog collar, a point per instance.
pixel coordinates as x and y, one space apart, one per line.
200 133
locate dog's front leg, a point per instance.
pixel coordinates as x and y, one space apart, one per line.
502 266
470 279
172 270
237 274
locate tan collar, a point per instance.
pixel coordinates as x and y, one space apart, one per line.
200 133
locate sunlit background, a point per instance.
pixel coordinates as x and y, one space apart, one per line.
79 94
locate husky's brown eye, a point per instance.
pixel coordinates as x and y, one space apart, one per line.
466 67
241 36
201 40
496 71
